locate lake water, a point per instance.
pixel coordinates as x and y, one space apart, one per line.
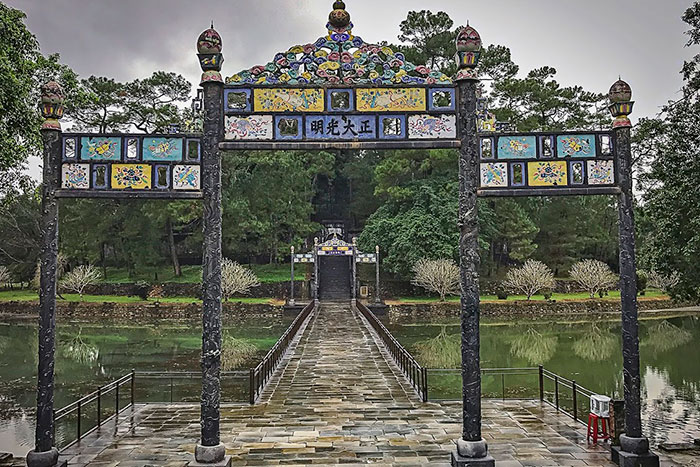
89 354
590 354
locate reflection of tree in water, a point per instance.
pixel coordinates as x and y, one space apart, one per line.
666 336
534 347
596 344
442 351
235 352
79 351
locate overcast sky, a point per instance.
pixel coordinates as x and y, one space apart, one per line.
589 42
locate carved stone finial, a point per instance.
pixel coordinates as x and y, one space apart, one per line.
468 53
52 99
209 46
621 104
339 18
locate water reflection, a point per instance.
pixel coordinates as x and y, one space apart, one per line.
535 347
596 344
666 336
79 351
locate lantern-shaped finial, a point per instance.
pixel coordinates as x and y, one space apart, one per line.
52 99
339 18
468 53
621 104
209 47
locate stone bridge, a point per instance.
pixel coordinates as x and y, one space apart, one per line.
338 398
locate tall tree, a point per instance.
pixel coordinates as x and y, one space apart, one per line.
19 118
672 199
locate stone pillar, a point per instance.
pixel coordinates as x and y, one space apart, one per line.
291 284
317 268
353 295
210 450
44 453
634 447
471 448
377 298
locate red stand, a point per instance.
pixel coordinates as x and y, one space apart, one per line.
593 428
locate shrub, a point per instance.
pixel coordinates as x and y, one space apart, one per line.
530 278
235 279
437 275
501 293
642 281
595 277
5 276
664 282
79 278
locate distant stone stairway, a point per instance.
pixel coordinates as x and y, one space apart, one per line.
335 277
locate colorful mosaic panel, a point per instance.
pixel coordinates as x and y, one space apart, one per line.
341 127
75 176
517 147
289 127
576 146
494 174
432 126
187 177
131 176
253 127
392 127
288 100
547 173
337 59
601 172
441 99
391 99
162 149
100 148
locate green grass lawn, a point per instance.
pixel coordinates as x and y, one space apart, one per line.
193 274
30 295
613 295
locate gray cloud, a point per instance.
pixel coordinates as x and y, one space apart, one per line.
589 42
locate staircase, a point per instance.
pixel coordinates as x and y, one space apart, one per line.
335 278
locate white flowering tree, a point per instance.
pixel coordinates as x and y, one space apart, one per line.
530 278
437 275
662 281
593 276
79 278
236 279
5 276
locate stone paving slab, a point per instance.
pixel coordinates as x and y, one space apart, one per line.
338 399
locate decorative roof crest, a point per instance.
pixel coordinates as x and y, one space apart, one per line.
340 58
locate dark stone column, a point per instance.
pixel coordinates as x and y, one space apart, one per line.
353 295
44 453
291 284
471 448
211 275
634 447
377 298
210 450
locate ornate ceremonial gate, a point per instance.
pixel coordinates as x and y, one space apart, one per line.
339 92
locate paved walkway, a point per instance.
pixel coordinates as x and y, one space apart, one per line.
339 400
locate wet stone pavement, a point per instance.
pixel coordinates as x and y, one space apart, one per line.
337 399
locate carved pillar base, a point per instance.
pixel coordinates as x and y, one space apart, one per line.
210 456
629 459
633 452
45 459
472 453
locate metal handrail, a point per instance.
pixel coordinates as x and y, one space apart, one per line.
412 370
261 374
96 396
